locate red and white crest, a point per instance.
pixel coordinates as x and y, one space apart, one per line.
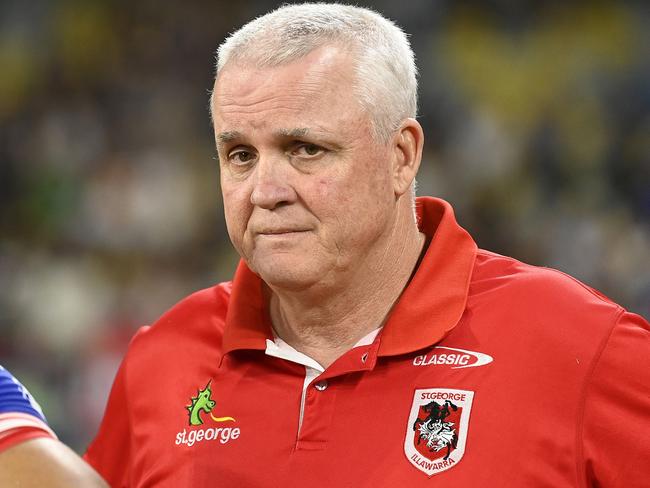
436 432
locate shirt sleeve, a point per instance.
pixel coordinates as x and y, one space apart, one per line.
110 452
21 417
616 414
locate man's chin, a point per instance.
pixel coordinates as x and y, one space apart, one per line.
286 275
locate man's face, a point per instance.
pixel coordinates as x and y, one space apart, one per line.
308 194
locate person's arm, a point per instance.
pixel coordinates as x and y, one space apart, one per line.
30 453
45 461
615 430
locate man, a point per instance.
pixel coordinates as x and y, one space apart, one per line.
360 343
30 453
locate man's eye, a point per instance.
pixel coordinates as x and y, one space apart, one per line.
241 156
307 150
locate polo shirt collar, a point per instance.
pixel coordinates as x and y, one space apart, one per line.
430 306
280 349
435 299
248 323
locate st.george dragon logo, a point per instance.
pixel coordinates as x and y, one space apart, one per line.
203 402
436 432
201 405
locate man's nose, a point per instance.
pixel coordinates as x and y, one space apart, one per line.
271 187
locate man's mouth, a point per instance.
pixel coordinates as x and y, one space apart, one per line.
281 232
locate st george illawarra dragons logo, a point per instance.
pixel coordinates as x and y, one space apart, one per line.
436 433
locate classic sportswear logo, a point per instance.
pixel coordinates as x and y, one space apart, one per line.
457 358
436 432
203 403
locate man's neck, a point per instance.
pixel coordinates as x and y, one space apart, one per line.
327 327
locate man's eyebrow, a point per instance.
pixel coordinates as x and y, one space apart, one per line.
294 133
228 136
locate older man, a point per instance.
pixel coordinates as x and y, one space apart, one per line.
364 340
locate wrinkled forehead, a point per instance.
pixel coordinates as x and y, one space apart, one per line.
324 76
271 50
327 55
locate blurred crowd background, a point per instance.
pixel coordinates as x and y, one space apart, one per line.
537 116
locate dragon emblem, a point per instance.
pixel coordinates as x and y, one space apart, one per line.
433 429
200 403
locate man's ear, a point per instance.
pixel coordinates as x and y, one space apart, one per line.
407 145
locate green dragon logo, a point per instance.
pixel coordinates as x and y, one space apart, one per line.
201 402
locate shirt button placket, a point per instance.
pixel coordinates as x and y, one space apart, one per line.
317 416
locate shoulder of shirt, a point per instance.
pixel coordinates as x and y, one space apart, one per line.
544 308
199 316
536 284
14 397
20 414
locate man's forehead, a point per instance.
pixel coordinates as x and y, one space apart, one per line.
324 56
331 63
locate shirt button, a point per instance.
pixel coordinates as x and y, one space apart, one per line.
321 385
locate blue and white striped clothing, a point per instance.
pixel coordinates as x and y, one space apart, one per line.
21 418
14 397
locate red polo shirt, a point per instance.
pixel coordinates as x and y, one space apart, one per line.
488 372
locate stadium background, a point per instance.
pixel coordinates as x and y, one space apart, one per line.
537 116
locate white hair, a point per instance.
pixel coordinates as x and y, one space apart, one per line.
386 76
